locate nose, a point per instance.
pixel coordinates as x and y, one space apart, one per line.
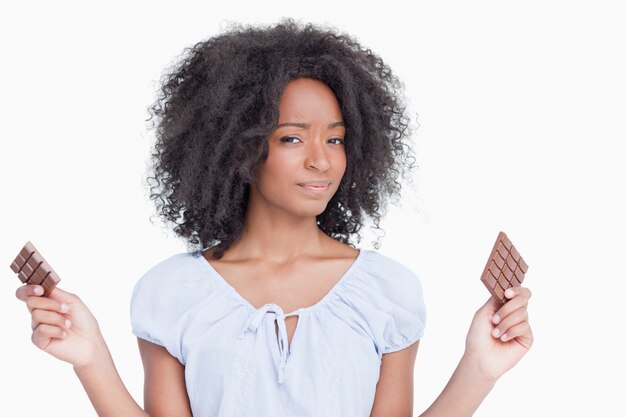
316 157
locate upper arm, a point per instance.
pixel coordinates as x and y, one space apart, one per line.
165 393
394 391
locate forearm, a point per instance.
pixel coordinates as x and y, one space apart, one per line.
105 388
463 394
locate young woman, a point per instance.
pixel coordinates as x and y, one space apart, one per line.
274 145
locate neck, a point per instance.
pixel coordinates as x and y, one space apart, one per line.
276 236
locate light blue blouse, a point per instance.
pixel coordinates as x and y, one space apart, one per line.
235 365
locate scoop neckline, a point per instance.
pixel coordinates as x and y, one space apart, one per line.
219 278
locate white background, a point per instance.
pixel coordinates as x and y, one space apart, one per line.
522 128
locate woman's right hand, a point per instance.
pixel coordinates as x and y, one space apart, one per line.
62 325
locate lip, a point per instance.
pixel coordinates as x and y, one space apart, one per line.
316 187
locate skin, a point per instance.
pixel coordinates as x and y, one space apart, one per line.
280 236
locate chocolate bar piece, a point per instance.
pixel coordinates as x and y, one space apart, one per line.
32 268
505 268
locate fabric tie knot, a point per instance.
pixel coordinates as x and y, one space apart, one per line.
253 323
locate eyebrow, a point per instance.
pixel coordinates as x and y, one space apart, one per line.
306 125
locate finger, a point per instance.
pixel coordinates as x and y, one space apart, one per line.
43 334
518 291
518 298
63 296
522 333
39 316
518 316
46 303
25 291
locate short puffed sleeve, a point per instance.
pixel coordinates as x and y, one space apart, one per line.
389 296
160 301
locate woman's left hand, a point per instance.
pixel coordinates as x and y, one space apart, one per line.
500 334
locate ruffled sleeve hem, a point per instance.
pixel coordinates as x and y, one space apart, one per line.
404 345
146 336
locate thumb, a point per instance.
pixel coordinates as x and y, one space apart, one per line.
490 307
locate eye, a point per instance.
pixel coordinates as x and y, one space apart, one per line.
338 141
289 139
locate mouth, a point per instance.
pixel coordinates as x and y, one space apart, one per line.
315 186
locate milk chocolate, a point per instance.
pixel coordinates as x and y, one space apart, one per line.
505 268
32 268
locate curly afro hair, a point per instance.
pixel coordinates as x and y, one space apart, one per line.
218 104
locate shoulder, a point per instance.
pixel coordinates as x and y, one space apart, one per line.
169 272
383 281
386 261
389 271
372 261
178 279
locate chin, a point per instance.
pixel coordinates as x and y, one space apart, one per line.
310 211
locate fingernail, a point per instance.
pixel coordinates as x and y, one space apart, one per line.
495 319
38 291
64 334
509 293
68 324
65 308
504 337
495 332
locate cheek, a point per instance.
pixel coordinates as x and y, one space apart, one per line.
281 168
340 162
277 172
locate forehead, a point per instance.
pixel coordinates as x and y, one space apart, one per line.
308 100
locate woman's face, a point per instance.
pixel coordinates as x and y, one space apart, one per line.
306 158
